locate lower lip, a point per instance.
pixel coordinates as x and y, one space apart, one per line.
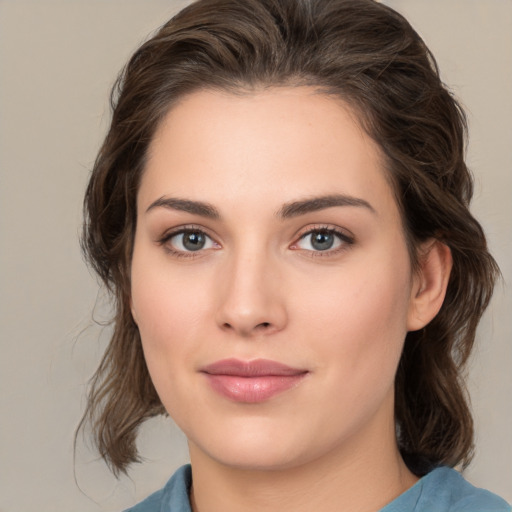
252 390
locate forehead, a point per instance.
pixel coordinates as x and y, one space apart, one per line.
276 144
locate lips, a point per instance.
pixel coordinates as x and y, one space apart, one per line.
251 381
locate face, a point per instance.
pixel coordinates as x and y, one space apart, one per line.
271 282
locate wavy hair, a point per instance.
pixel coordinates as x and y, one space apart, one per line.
369 56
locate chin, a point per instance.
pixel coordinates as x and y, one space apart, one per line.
256 458
257 446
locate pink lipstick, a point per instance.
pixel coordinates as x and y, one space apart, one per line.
251 381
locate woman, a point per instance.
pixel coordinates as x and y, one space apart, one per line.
280 210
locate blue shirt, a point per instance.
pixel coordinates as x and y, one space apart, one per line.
441 490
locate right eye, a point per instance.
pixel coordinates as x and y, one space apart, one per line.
188 241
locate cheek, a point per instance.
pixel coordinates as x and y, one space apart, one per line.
164 297
360 319
372 293
168 319
167 330
168 310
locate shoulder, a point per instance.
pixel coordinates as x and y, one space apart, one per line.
445 490
173 497
460 494
464 497
150 504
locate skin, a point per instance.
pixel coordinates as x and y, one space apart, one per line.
260 289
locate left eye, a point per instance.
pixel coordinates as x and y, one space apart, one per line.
321 240
190 241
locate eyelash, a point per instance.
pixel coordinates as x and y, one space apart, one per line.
344 239
183 230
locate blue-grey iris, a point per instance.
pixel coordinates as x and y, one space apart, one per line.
322 240
193 241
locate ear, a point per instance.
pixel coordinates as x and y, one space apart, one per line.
429 284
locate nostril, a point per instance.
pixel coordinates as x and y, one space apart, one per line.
262 327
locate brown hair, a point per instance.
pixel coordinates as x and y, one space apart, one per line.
368 55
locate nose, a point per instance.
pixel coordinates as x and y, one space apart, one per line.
251 296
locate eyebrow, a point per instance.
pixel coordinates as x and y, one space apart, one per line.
314 204
186 205
288 210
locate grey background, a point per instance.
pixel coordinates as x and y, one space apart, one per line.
58 60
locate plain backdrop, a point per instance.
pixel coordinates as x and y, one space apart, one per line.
58 60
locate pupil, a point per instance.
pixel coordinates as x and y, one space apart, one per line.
322 241
193 241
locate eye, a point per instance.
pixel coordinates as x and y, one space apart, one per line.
323 240
187 241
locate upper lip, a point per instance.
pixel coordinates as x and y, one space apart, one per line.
254 368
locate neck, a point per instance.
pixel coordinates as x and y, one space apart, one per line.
363 477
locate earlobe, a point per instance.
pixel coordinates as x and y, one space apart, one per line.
429 284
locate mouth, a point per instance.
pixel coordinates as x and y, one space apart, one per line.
251 381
